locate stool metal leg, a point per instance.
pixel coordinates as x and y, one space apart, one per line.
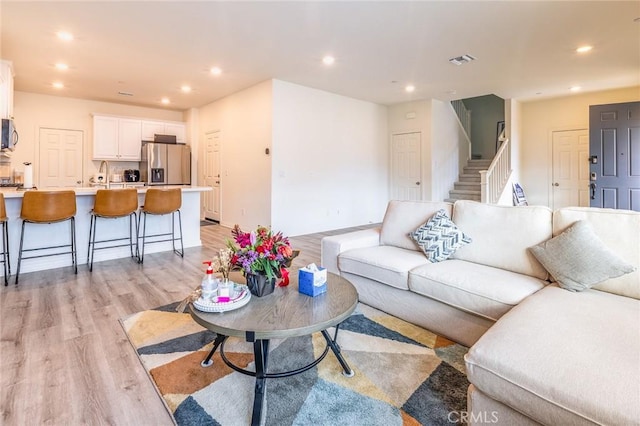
92 241
5 252
74 256
20 252
181 252
144 233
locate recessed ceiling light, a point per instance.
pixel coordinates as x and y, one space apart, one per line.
62 67
328 60
410 88
64 35
575 88
584 49
165 101
57 85
216 71
185 89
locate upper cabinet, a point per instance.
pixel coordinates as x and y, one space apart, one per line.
151 128
6 89
116 138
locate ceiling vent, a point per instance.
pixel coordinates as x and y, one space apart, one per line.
125 94
462 59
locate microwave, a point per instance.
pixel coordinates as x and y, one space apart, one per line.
9 134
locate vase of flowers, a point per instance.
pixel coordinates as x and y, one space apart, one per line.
262 256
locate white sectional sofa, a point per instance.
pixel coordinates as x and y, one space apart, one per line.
539 354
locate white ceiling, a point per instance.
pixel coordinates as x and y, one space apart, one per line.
524 50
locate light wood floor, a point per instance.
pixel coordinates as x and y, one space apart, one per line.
65 359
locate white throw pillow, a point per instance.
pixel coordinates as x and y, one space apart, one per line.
439 238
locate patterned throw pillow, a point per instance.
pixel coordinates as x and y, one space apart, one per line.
439 238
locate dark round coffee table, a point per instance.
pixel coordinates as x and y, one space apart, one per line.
284 313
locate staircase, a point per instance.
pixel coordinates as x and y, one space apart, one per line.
468 185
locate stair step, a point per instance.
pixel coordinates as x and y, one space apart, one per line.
480 163
473 186
471 177
465 194
473 169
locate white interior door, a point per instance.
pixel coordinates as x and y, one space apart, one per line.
212 176
406 166
60 159
570 184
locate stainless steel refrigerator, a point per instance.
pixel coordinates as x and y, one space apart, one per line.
165 164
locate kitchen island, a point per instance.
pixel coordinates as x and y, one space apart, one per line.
58 233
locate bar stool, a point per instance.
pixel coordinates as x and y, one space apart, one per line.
46 207
161 202
5 240
113 204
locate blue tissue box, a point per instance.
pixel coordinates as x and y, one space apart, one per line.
312 283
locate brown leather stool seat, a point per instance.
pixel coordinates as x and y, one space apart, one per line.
45 207
113 204
5 240
163 201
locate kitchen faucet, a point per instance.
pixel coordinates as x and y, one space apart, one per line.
105 164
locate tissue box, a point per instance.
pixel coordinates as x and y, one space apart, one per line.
312 283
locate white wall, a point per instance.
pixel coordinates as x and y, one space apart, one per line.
541 118
33 111
448 145
244 120
443 142
410 117
330 160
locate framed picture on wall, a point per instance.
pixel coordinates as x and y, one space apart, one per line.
499 134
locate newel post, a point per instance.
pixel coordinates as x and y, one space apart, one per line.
484 187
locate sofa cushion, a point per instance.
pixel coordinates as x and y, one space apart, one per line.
386 264
439 238
564 358
577 259
482 290
619 230
403 217
502 235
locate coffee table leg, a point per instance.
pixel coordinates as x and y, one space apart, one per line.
208 361
261 355
346 370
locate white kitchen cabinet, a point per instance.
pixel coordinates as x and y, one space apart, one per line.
151 128
116 138
6 89
129 140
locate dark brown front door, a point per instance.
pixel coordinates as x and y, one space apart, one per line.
614 148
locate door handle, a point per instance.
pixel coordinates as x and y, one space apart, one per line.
417 183
592 185
556 184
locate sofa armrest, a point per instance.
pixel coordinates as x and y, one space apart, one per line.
332 246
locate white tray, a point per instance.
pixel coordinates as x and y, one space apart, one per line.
240 296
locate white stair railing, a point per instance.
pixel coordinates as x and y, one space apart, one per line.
464 115
494 179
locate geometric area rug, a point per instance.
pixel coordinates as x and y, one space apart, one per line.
404 375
